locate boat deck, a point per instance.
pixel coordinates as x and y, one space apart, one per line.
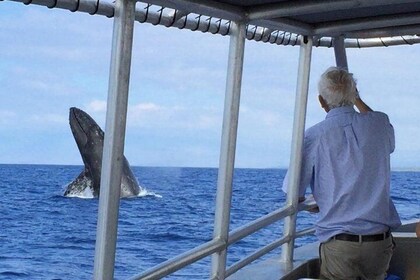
404 264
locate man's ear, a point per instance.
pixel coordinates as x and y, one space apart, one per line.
323 103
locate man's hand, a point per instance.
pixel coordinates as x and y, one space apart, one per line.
308 200
361 106
314 210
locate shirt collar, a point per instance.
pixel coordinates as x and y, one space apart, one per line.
340 110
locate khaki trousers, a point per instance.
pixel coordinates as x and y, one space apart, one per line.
347 260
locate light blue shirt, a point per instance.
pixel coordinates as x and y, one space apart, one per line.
346 162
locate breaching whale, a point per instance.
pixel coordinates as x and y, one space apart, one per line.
90 140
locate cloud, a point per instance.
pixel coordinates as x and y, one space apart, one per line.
36 80
148 115
11 119
157 116
153 115
145 108
259 118
97 106
48 119
7 117
208 121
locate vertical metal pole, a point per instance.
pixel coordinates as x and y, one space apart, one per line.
109 199
297 145
340 53
228 145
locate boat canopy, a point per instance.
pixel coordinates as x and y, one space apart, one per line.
362 23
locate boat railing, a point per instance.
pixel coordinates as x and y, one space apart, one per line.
217 245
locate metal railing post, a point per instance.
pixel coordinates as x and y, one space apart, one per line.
297 144
109 199
228 146
340 52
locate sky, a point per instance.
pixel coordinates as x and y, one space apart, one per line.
52 59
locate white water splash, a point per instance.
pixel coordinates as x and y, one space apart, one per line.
88 194
85 194
143 192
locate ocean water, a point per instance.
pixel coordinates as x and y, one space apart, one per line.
44 235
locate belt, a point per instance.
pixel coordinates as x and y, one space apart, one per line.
362 238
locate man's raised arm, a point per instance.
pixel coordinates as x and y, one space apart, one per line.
362 106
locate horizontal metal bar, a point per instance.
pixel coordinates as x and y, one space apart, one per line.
306 231
208 248
310 203
385 32
293 8
286 24
370 42
256 255
382 42
88 6
191 22
265 250
182 260
342 27
258 224
177 15
204 7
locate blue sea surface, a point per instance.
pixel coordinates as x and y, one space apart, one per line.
44 235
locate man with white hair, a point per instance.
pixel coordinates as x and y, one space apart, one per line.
346 162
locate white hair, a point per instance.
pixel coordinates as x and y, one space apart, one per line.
337 87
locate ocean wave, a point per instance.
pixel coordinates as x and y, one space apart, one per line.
87 194
8 273
45 235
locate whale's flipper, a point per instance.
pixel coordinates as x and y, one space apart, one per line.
89 139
